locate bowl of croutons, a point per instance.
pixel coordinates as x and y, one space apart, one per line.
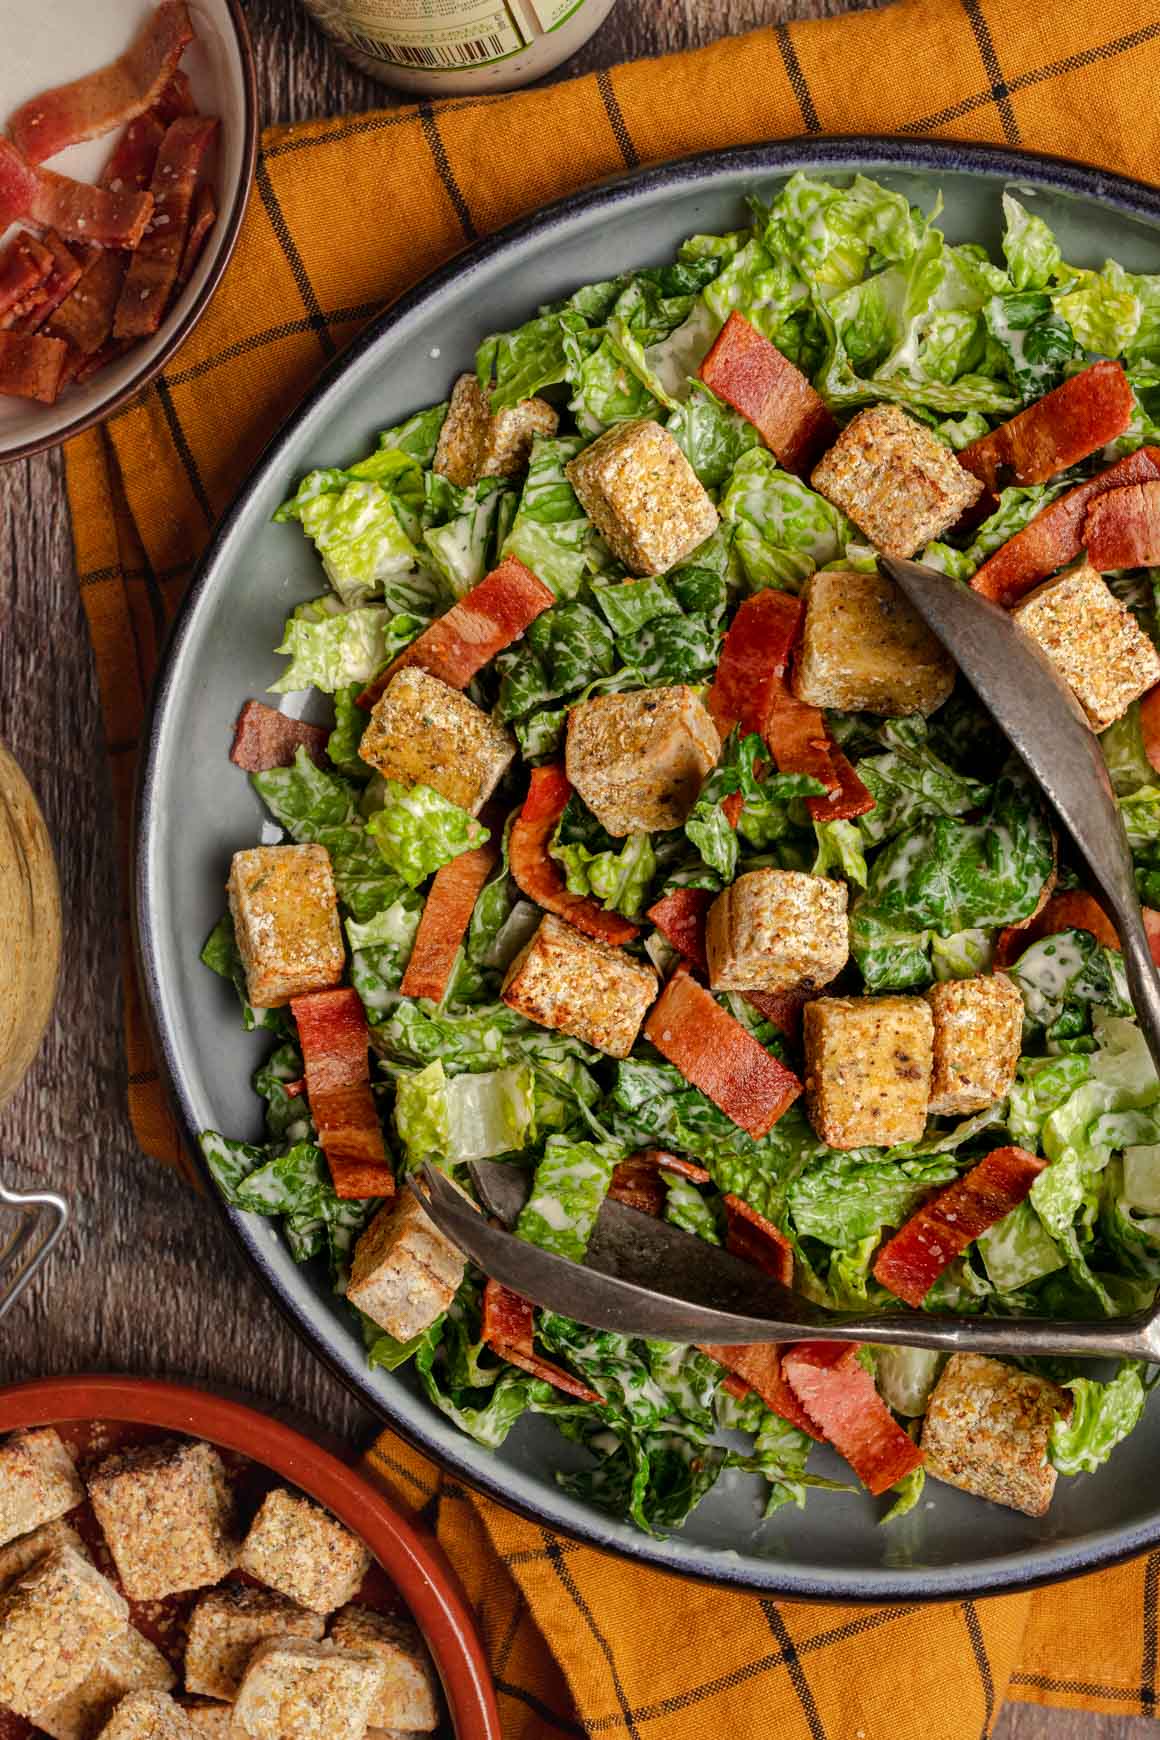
175 1564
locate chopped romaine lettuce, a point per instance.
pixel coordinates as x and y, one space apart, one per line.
418 830
1102 1415
331 648
464 1117
551 534
782 529
570 1184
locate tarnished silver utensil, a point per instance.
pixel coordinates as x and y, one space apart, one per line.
38 1217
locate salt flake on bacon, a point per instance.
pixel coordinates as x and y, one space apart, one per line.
153 269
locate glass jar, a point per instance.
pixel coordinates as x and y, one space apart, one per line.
29 926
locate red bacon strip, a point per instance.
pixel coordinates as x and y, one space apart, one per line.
760 1366
76 208
135 155
538 875
201 221
1122 528
911 1262
80 368
1152 930
637 1181
31 366
1065 426
175 100
1073 910
25 266
680 917
783 1008
458 644
445 919
153 269
840 1396
1150 725
752 375
265 738
333 1034
1056 534
85 317
62 280
111 95
750 1236
509 1326
714 1052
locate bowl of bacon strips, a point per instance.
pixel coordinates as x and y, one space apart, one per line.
127 141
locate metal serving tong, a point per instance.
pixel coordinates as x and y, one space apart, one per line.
40 1218
645 1277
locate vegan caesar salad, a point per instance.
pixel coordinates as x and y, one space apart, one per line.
656 848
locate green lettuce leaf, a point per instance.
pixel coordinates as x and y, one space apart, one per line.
1102 1416
1029 248
381 948
782 529
316 807
1018 1250
357 533
1036 341
569 1187
331 648
617 872
418 830
464 1117
551 534
711 435
462 547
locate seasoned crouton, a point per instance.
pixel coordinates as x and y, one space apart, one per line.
225 1627
1094 642
638 759
405 1273
987 1428
895 480
507 443
167 1512
28 1549
147 1716
773 930
56 1621
865 649
408 1701
641 493
476 441
978 1035
578 985
868 1065
297 1690
130 1664
38 1482
211 1719
422 732
299 1549
285 912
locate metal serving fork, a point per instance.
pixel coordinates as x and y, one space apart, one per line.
40 1218
644 1277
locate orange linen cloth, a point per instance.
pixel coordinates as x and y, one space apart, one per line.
346 214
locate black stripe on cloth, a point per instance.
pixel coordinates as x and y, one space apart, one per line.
533 1555
795 1670
503 1649
1148 1659
975 1633
357 126
1078 1688
556 1560
140 1077
797 78
446 174
95 576
400 1468
1000 90
184 451
122 746
561 1724
616 120
271 335
281 229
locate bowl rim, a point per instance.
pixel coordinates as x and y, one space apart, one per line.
417 1566
1019 1569
182 328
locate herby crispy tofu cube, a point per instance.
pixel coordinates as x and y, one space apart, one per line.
56 1621
297 1690
405 1272
209 1718
167 1512
895 480
423 732
638 759
1094 642
643 496
147 1716
776 929
28 1549
987 1428
868 1066
864 649
38 1482
408 1702
507 444
285 912
581 986
130 1664
227 1625
978 1036
476 441
299 1549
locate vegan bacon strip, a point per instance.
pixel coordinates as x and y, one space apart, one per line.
63 277
839 1395
680 917
135 155
85 317
153 269
509 1327
760 1366
446 916
1065 426
110 218
1122 528
1072 910
265 738
333 1034
25 266
111 95
539 876
1150 725
716 1053
175 100
31 366
201 221
750 1236
753 376
637 1181
911 1262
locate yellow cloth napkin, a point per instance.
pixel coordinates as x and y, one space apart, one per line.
347 213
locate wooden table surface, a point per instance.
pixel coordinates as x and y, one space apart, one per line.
147 1279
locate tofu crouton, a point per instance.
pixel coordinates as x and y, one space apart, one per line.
226 1626
864 649
38 1482
987 1428
167 1512
56 1621
29 1549
407 1702
130 1664
297 1690
578 985
212 1720
868 1067
147 1716
1094 642
773 930
895 480
638 760
299 1549
978 1036
643 496
423 732
507 443
477 442
404 1273
285 911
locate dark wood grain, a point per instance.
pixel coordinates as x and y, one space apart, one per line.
147 1279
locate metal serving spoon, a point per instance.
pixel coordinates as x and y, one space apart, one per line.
41 1217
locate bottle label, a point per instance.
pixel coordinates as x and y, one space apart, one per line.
433 35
